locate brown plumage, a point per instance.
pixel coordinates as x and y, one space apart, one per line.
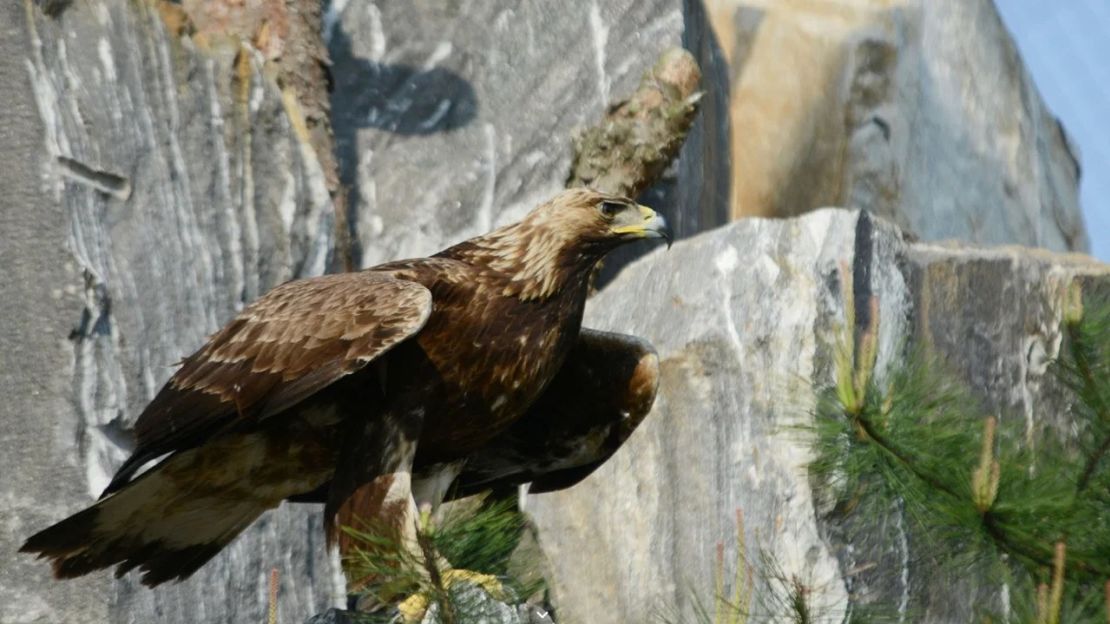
423 378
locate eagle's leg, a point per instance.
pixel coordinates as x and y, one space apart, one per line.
430 487
371 495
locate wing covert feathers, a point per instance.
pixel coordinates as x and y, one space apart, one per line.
289 344
606 387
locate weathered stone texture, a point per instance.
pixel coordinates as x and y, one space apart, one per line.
744 319
453 118
920 111
153 188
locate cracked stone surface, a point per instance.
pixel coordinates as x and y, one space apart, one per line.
452 118
920 111
744 319
151 188
151 191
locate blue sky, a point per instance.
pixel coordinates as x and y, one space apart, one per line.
1066 45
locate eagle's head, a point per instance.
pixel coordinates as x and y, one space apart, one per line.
557 245
593 223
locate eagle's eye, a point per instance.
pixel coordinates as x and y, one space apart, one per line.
610 209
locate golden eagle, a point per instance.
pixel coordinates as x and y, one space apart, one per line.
380 391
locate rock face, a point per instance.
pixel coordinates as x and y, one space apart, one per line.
453 118
152 186
157 181
154 183
744 319
918 110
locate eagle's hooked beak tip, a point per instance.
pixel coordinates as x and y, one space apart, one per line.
650 224
656 226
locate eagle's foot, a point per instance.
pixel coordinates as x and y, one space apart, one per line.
413 608
488 582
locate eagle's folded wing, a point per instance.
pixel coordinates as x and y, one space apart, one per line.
291 343
604 390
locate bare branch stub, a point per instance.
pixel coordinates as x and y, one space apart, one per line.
639 137
288 34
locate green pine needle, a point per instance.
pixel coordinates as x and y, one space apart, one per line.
971 488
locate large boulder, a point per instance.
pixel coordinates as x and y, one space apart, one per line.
745 319
159 180
918 110
152 186
454 118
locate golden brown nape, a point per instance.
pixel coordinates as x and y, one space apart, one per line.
560 240
596 220
593 221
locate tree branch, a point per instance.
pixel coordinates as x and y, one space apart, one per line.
639 137
289 36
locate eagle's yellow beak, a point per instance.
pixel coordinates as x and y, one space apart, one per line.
646 224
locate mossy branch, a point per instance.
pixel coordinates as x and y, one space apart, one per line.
639 137
288 37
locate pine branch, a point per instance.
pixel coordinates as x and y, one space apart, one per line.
918 431
1092 464
1081 354
884 444
435 578
996 531
1007 543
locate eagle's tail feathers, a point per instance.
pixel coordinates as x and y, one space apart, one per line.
150 524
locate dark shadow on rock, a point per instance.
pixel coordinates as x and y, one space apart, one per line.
400 99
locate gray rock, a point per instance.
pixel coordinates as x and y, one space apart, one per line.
143 204
744 318
479 607
920 111
474 604
333 616
152 191
453 118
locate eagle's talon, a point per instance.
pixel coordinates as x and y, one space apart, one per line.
487 582
413 608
